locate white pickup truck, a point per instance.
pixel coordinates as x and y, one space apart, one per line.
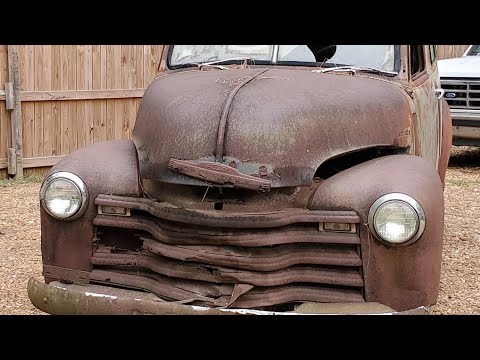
460 78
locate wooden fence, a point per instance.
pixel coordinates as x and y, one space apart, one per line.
69 96
72 95
451 51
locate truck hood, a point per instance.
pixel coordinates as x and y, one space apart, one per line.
466 66
284 122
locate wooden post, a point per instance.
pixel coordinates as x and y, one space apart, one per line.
11 161
16 113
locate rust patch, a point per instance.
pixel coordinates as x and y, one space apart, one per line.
70 275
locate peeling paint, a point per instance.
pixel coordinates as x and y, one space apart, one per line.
100 295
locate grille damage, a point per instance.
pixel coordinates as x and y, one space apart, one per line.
266 260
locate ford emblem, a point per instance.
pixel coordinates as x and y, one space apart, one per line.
450 95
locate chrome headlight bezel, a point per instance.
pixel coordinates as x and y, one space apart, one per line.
76 181
408 200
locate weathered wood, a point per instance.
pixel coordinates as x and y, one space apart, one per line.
38 83
48 123
98 132
16 113
88 104
56 106
9 101
450 51
109 84
11 161
62 95
36 162
41 161
66 95
28 109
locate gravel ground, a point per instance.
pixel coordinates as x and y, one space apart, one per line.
460 282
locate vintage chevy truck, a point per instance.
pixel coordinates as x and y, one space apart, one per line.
259 179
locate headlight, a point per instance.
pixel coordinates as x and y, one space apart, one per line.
64 195
396 219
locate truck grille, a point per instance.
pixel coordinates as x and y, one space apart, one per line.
219 259
461 93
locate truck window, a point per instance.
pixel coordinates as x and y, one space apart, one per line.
417 60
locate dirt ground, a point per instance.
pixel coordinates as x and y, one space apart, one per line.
20 255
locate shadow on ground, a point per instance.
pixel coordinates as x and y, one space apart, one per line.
464 157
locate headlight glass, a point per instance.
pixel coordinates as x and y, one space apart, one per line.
397 219
63 195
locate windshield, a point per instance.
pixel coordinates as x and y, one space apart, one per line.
376 56
474 50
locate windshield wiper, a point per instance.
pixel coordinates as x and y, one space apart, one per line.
353 69
215 63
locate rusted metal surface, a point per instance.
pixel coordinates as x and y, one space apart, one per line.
202 229
267 257
257 297
218 274
263 259
109 167
77 276
220 148
226 219
279 113
218 174
63 299
402 277
254 237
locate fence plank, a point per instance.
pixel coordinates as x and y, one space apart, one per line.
28 110
88 104
48 123
16 113
117 82
5 131
97 115
56 106
80 115
39 75
109 84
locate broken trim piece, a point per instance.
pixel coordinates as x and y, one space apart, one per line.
218 174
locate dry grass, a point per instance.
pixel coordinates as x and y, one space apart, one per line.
460 282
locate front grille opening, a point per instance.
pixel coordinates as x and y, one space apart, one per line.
120 239
342 162
218 205
179 261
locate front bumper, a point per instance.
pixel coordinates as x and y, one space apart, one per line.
69 299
